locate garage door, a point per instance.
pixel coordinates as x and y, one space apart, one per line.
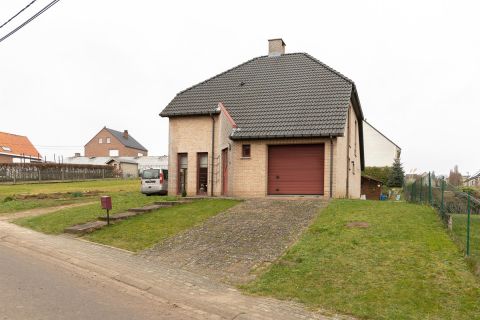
296 169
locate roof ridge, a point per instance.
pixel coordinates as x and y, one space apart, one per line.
13 134
328 67
218 75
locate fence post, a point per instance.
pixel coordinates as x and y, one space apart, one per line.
430 198
421 189
442 206
468 223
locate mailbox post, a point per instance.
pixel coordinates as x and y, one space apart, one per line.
106 202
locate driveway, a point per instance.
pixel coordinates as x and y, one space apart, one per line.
235 245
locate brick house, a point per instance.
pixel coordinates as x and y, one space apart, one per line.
281 124
113 143
15 149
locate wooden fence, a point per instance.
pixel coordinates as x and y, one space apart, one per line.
29 172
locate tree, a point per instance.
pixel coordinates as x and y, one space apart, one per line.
395 179
455 177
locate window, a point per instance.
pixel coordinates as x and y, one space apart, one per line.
108 140
100 140
245 151
139 154
182 172
5 148
113 153
202 173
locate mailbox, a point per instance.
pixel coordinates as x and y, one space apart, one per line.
106 202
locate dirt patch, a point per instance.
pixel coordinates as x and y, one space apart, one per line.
233 246
40 211
56 195
358 224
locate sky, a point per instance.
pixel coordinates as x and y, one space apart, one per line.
86 64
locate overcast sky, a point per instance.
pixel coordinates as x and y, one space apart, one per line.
85 64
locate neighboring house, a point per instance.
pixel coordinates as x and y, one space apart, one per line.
17 149
380 151
112 143
129 166
282 124
473 181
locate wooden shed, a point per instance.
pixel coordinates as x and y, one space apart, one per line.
371 188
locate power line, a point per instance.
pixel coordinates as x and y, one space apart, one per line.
28 5
48 6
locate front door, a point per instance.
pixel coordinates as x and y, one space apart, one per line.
224 171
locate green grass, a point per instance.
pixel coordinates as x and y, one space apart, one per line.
459 228
56 222
144 231
403 266
110 185
20 205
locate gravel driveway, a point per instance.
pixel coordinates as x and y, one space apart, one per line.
233 245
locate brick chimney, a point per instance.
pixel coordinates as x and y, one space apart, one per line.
125 134
276 47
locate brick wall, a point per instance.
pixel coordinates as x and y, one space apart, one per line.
95 149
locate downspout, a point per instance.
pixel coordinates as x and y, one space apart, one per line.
331 167
348 153
213 157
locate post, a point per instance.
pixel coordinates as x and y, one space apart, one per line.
108 217
421 189
442 205
468 224
430 198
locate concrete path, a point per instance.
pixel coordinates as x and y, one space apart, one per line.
39 211
234 245
198 297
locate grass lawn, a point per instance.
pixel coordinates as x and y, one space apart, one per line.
20 205
404 265
459 228
144 231
56 222
110 185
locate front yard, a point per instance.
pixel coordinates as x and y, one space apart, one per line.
459 228
377 260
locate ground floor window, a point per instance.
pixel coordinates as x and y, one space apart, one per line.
202 173
182 172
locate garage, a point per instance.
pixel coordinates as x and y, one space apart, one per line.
296 169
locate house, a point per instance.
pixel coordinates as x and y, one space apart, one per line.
280 124
371 187
113 143
128 166
380 151
473 181
17 149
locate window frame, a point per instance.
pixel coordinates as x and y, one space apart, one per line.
100 140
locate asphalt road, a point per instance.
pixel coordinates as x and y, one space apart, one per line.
35 288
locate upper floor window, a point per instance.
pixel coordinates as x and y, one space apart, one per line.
245 151
5 148
139 154
113 153
108 140
100 140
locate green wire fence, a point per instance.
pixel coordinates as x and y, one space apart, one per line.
459 210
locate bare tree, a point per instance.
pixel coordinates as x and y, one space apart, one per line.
455 177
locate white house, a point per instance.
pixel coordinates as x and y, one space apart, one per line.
380 151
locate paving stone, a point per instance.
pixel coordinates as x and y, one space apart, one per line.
86 227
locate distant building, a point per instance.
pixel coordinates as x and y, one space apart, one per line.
473 181
17 149
113 143
380 151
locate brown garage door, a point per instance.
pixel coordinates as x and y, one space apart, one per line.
296 169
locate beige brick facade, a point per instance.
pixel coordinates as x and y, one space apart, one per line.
247 177
96 149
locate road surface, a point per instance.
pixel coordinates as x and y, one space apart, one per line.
35 288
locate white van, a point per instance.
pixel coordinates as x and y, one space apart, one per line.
154 181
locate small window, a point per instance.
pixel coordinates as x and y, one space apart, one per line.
108 140
5 148
113 153
139 154
100 140
245 151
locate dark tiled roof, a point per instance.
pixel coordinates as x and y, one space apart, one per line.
130 142
292 95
